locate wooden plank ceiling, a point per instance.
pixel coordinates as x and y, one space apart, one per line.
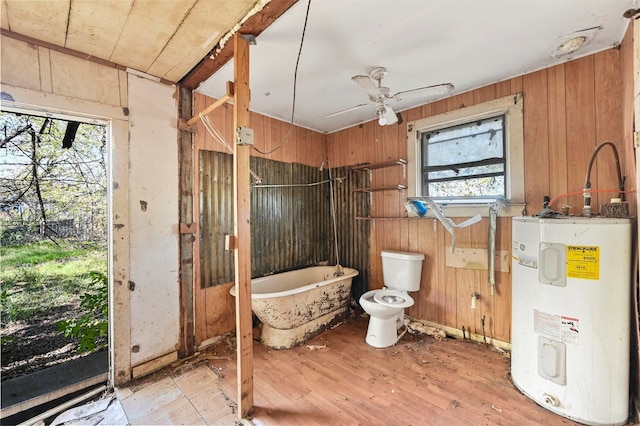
165 39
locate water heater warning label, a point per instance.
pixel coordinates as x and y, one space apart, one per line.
560 328
570 330
583 262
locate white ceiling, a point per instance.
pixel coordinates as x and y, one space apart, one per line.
469 43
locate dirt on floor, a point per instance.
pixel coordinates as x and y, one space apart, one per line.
36 343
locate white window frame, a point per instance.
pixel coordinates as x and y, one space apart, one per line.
512 109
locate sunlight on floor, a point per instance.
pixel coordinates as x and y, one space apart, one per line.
164 398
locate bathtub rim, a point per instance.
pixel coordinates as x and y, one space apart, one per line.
348 273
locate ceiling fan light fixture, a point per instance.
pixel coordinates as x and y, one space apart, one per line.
381 111
386 115
390 116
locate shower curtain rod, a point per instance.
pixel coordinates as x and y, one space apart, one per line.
291 185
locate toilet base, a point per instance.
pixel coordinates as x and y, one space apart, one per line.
382 333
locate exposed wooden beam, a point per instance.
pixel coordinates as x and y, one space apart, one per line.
223 100
254 25
186 176
242 229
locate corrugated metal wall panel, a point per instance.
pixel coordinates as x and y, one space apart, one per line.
291 227
353 234
216 217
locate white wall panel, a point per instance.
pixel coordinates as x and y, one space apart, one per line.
153 202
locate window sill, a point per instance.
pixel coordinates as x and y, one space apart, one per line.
469 210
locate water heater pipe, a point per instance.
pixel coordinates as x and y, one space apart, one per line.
586 210
569 194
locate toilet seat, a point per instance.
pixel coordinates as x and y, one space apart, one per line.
393 298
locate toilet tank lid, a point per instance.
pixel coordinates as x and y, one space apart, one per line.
405 255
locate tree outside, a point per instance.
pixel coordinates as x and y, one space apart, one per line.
53 229
48 189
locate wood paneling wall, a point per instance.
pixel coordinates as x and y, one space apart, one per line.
276 139
568 110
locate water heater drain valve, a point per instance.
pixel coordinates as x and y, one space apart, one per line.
551 400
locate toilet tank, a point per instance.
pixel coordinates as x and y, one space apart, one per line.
401 270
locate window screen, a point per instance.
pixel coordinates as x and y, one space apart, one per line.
465 162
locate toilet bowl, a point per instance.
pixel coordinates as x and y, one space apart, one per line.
385 317
401 272
392 298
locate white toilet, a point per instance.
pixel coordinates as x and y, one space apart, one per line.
401 273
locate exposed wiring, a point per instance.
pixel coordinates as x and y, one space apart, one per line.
295 84
221 140
569 194
213 132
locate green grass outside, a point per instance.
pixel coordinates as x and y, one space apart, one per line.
36 278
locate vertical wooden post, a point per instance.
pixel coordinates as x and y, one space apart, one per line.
185 156
242 229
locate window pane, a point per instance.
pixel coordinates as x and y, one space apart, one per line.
464 143
490 187
465 161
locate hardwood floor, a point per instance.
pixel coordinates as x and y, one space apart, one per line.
419 381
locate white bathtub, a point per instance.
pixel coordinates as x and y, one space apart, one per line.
297 305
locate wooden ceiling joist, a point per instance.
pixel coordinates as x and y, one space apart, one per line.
254 25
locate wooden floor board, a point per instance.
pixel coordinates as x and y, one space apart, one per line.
419 381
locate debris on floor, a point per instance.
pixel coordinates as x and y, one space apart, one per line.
106 411
502 351
316 347
194 360
418 327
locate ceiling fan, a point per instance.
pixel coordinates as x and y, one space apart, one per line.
379 95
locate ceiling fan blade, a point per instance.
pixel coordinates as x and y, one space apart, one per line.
427 92
353 108
368 85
